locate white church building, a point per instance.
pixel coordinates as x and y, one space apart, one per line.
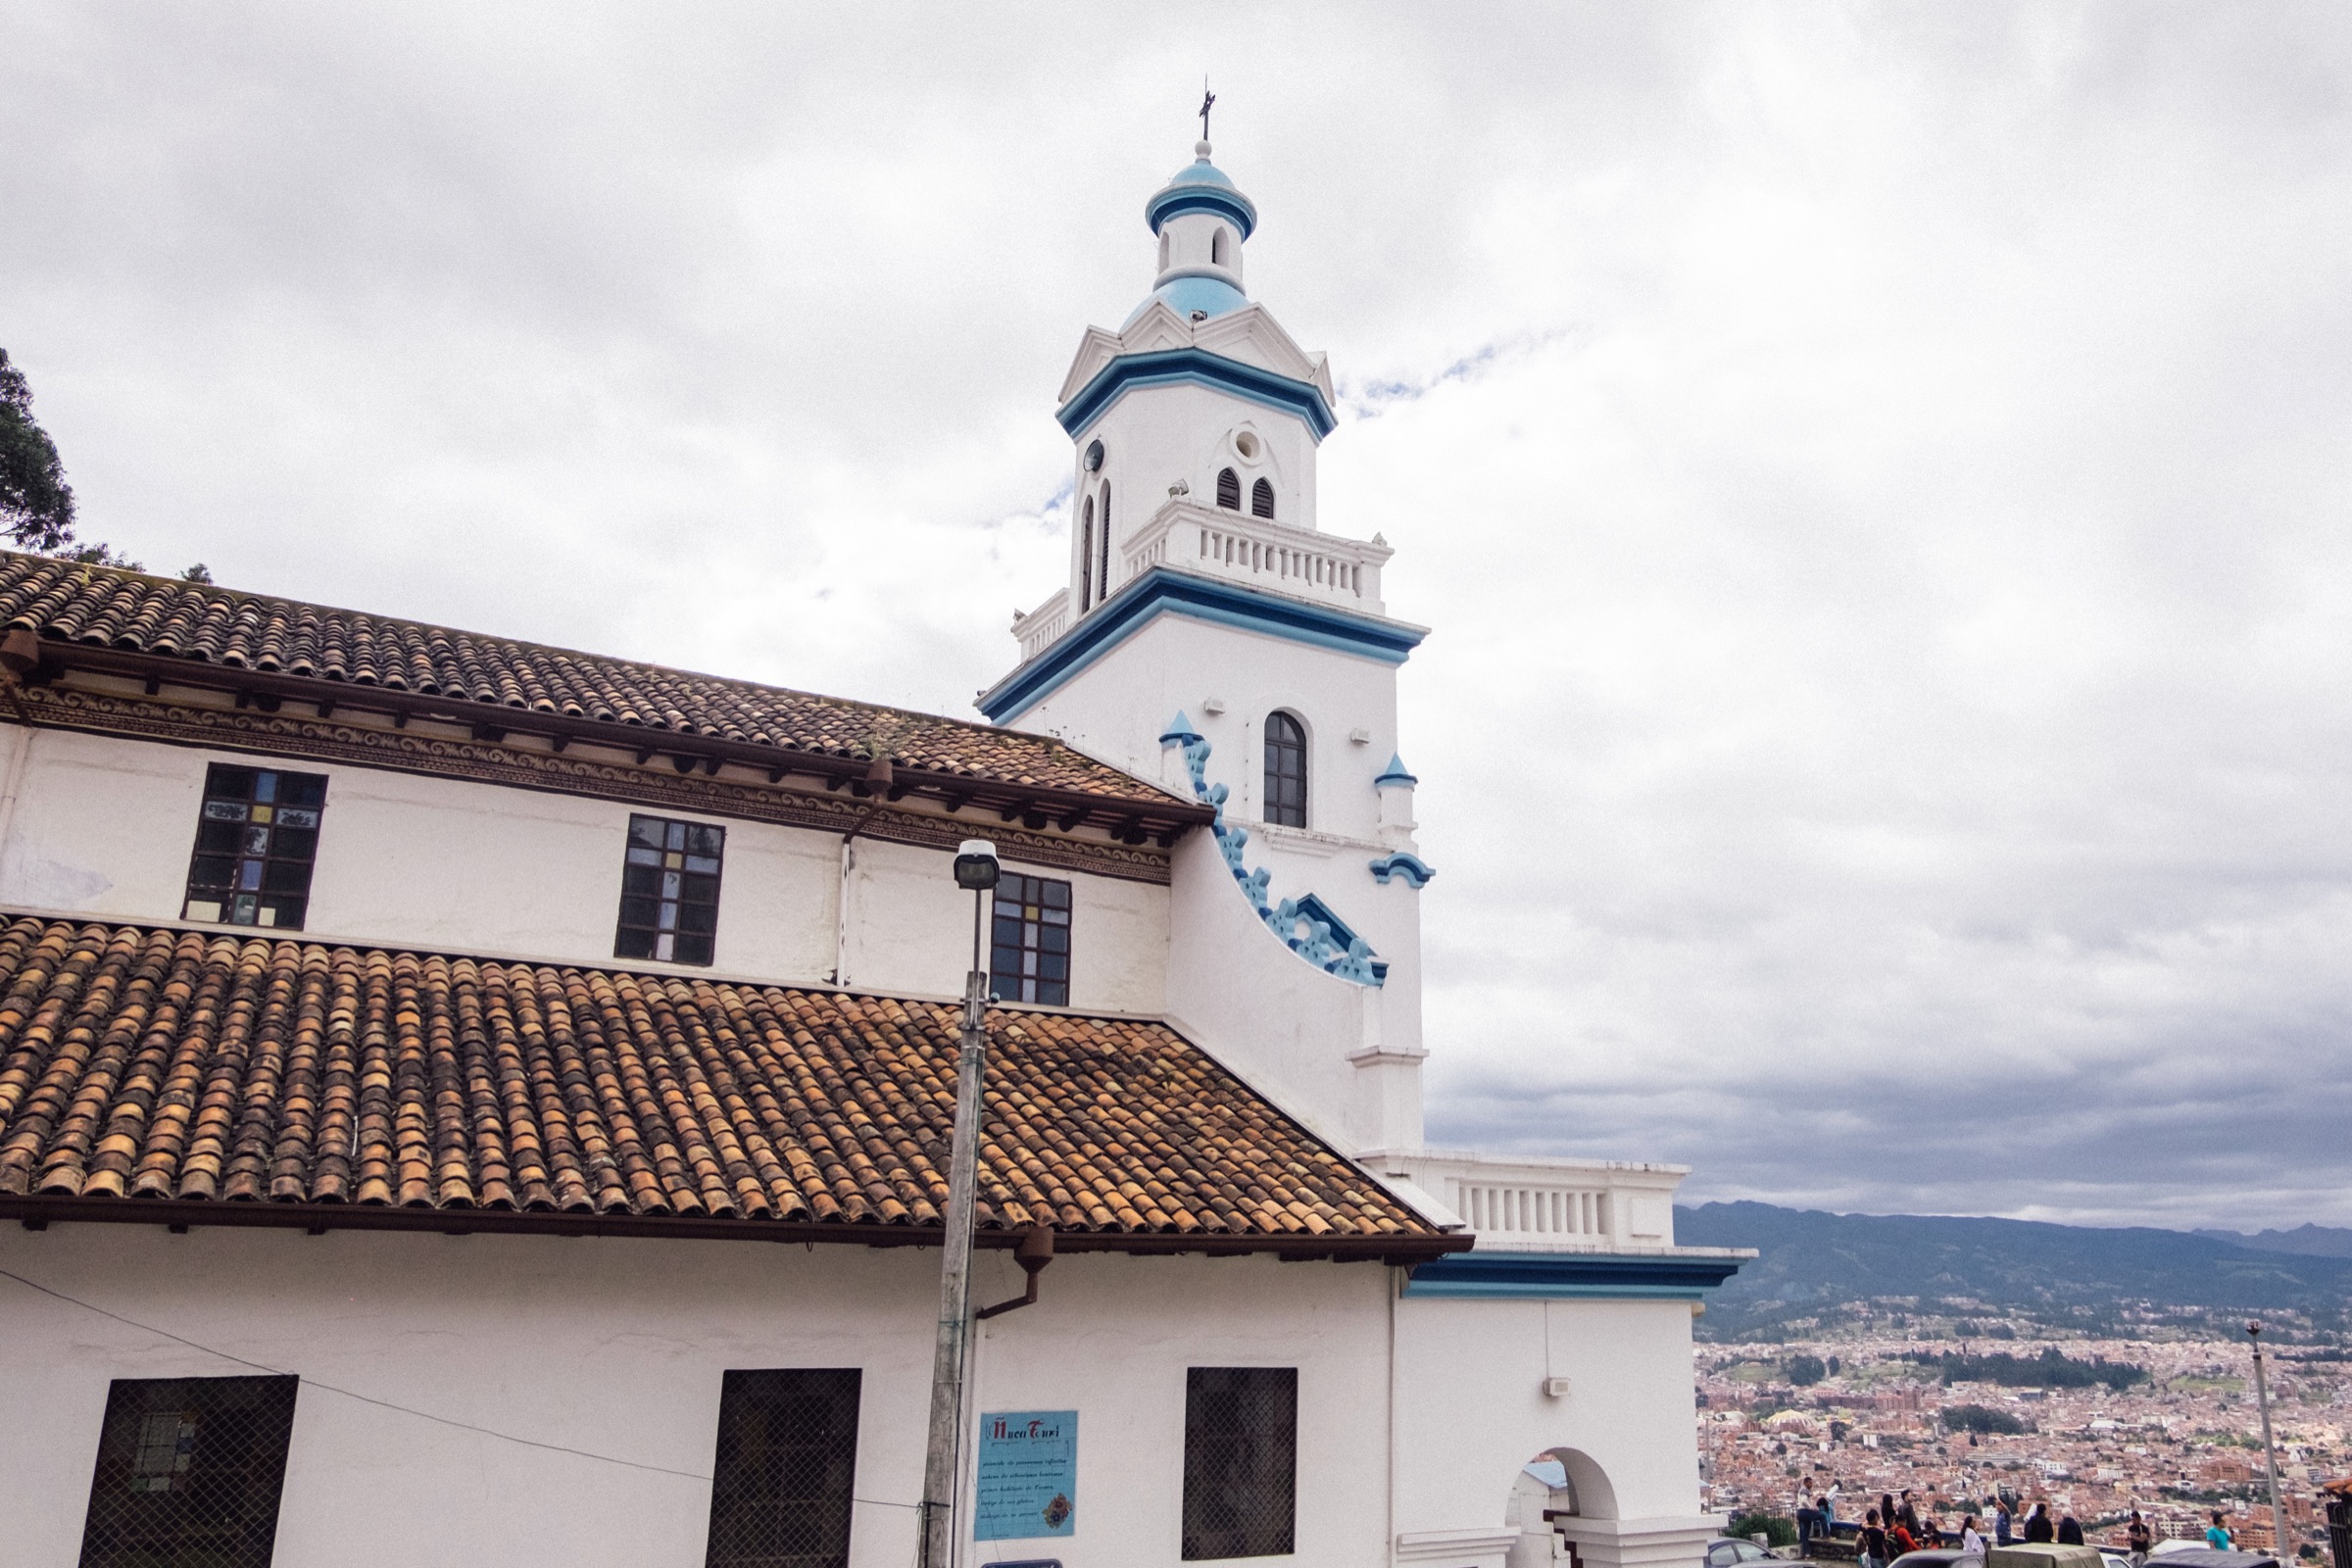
464 1101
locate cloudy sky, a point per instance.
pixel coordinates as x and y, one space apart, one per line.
1877 475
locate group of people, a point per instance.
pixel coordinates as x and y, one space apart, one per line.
1896 1526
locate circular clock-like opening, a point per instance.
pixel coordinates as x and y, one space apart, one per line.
1093 456
1245 444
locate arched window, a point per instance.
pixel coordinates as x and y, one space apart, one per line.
1105 577
1286 770
1220 250
1261 500
1085 555
1229 489
1163 250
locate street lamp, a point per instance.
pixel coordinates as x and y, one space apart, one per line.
2270 1454
975 870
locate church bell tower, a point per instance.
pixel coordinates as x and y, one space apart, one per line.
1210 635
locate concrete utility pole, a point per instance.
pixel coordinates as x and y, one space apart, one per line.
2270 1453
976 869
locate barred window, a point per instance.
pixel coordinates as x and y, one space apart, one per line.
1031 957
1286 770
669 891
787 1466
189 1471
257 837
1229 489
1240 1461
1261 500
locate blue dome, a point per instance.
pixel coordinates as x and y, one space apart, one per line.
1210 296
1201 188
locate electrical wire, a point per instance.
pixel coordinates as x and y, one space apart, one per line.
386 1404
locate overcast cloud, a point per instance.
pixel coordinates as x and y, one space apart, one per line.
1876 473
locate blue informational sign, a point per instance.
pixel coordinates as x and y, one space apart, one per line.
1028 1482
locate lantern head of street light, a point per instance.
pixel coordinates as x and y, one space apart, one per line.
976 865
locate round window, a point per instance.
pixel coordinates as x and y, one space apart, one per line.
1093 456
1245 444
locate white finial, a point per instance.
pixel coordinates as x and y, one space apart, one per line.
1200 151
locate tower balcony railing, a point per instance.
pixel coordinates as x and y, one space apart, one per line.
1041 628
1548 1205
1186 536
1213 542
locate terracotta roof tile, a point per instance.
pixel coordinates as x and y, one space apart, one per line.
143 615
156 1063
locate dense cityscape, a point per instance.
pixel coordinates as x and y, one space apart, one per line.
2097 1426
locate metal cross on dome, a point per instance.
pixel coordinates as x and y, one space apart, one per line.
1207 101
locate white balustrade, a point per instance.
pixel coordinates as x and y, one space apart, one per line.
1043 626
1543 1205
1213 542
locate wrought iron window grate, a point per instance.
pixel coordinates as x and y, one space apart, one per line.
189 1471
1240 1461
780 1492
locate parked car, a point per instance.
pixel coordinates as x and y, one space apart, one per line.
1935 1557
1726 1553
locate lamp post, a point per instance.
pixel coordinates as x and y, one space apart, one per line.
976 869
2270 1454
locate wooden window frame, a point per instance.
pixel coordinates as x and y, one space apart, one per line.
1281 809
1023 907
665 914
257 847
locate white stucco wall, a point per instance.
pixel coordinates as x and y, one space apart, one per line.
1230 984
104 827
618 1347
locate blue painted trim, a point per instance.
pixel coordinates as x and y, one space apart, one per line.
1569 1276
1327 945
1404 866
1342 935
1165 591
1394 773
1227 203
1180 730
1198 366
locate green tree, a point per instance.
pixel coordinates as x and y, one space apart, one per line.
36 505
1803 1371
1777 1530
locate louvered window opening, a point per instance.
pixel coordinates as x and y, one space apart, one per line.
1229 490
1029 959
189 1471
1240 1461
786 1471
669 891
1085 555
1261 500
257 838
1286 770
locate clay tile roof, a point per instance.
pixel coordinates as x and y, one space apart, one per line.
148 1063
160 616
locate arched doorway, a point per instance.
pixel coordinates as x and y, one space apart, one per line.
1555 1487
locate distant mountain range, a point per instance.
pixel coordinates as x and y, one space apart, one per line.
2308 1240
1976 1273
